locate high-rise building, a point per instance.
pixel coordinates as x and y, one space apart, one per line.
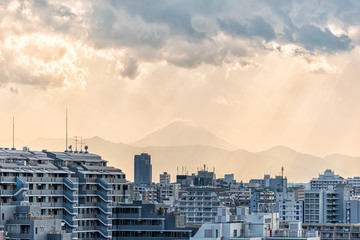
142 169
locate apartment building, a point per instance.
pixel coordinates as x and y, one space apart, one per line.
289 209
326 181
147 221
327 206
200 204
77 188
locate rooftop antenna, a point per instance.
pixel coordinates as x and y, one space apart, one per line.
76 142
81 144
66 134
13 134
282 178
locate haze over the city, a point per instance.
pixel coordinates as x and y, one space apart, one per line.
256 74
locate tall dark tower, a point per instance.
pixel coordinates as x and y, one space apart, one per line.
142 169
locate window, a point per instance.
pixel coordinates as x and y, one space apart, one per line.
235 232
208 233
24 229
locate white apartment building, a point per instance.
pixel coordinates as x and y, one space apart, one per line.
201 204
355 182
289 209
240 197
326 181
168 193
165 178
257 226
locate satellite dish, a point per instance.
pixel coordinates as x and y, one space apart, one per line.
70 147
86 148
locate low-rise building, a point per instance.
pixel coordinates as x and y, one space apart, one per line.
257 226
335 231
147 221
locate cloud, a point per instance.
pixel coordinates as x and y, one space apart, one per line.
40 61
14 90
130 69
223 101
313 38
255 27
187 34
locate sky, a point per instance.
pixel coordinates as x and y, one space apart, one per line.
256 73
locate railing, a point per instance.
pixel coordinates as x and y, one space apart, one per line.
33 218
52 204
8 179
103 207
69 184
85 216
86 228
102 183
104 196
45 192
104 231
43 180
6 192
116 180
70 209
103 219
70 221
20 186
70 197
90 204
295 233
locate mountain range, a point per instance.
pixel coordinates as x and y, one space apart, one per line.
181 144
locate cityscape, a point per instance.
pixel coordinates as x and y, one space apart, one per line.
75 194
179 120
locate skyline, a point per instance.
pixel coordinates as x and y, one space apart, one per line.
257 74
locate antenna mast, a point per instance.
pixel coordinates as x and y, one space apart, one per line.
66 137
76 142
81 144
13 134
